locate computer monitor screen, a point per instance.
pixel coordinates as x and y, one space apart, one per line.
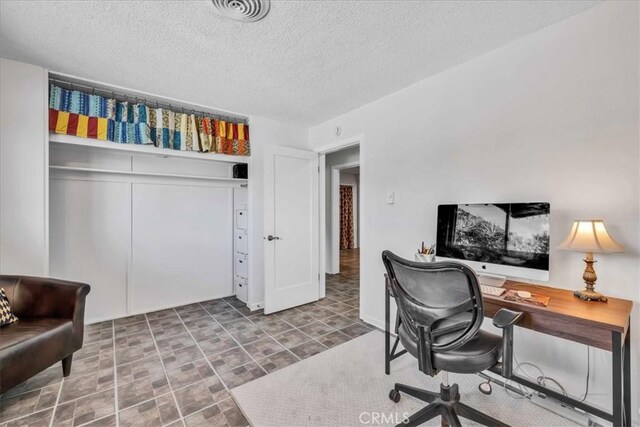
502 238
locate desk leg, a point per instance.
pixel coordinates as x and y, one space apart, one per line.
387 334
626 376
617 380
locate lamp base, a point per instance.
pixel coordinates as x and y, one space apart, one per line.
589 295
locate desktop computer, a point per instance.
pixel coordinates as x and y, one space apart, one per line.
497 240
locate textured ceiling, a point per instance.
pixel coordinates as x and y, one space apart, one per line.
304 63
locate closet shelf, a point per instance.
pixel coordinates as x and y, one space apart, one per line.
70 140
242 182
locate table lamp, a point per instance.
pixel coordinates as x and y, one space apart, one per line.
590 236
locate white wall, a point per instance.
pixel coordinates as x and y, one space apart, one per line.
264 131
351 180
551 117
347 156
23 170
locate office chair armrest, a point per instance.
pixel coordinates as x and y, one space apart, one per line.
504 318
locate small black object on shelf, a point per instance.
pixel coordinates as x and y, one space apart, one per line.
240 171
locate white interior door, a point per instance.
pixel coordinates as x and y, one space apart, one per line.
291 228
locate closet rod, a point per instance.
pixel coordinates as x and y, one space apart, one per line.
126 97
149 174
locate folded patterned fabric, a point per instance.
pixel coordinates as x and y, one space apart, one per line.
111 130
218 134
92 116
206 134
192 140
78 125
121 132
95 108
153 124
138 113
75 103
181 131
110 109
167 128
55 97
221 138
122 109
244 147
161 123
232 138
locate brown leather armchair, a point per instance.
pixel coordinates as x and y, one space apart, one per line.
50 326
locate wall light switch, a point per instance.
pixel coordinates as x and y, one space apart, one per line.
391 198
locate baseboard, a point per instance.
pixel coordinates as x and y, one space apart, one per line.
373 322
151 310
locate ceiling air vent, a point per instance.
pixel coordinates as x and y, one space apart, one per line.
242 10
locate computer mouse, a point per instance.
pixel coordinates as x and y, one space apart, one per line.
524 294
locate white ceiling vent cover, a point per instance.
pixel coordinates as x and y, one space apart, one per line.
242 10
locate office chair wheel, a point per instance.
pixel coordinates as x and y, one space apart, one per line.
394 395
485 388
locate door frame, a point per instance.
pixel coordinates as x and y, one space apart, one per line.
334 262
323 150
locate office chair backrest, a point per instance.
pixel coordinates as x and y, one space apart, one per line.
443 297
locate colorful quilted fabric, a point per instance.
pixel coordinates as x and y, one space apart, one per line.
98 128
244 147
110 109
78 125
122 111
193 139
86 115
221 138
206 134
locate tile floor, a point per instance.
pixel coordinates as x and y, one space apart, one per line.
176 366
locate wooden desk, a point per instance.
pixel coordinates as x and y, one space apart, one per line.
597 324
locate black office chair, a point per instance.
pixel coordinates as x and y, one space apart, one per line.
440 313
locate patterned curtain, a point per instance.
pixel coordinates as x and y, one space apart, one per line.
346 217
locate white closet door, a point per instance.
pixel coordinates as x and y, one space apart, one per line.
90 225
182 245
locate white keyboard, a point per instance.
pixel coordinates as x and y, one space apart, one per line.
492 290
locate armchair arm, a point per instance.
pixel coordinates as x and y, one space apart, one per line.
505 319
45 297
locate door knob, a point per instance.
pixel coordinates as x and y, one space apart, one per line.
270 237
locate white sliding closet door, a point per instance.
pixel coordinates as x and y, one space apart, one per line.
90 224
182 245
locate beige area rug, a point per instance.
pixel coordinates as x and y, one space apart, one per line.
347 386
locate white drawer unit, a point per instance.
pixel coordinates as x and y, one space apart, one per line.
240 242
242 269
241 219
241 245
241 289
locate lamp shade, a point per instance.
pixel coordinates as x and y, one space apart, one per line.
590 236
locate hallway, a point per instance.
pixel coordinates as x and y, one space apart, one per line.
347 282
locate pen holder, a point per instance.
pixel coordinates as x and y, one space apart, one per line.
425 258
